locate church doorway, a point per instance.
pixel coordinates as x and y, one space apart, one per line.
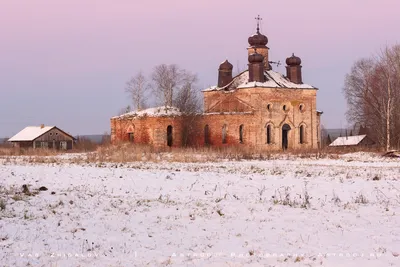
285 136
169 135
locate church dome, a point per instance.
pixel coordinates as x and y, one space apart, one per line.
226 65
258 39
256 58
293 61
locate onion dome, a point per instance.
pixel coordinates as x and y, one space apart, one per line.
226 65
256 58
293 61
258 39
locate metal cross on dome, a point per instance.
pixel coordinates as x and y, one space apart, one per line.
276 63
258 18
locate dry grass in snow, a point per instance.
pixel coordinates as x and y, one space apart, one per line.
282 212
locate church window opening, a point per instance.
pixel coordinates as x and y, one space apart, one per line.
285 136
268 134
169 135
131 137
224 134
301 134
241 133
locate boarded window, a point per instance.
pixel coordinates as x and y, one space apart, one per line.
241 133
63 145
224 134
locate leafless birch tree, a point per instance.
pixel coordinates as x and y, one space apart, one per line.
166 79
372 90
176 87
137 88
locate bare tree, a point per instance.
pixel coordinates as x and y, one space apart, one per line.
188 101
187 98
125 110
390 65
166 79
137 87
176 87
372 90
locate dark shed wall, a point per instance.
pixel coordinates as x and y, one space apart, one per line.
25 144
54 135
54 139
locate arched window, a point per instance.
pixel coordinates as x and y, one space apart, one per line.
206 135
301 134
241 133
268 134
169 135
285 136
224 134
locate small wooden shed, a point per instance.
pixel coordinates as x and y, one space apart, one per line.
353 141
43 137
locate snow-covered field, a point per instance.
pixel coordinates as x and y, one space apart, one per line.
298 212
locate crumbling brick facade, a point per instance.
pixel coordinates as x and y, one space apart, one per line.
269 111
147 130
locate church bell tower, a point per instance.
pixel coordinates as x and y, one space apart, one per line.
259 42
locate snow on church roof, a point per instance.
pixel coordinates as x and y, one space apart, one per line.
153 112
274 80
348 141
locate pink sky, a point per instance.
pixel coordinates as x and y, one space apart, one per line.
66 62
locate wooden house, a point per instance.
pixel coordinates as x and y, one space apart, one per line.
48 137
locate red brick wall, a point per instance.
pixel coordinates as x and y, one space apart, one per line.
153 131
146 130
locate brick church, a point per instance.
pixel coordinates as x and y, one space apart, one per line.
258 108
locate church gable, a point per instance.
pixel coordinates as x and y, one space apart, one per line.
230 104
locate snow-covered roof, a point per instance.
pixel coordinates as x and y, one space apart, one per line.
274 80
153 112
30 133
348 141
